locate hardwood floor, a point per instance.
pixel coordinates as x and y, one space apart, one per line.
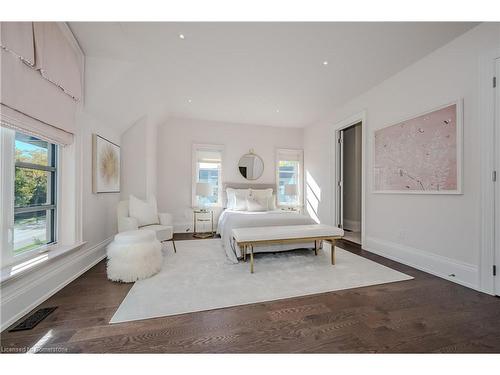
427 314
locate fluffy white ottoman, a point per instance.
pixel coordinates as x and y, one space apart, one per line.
134 255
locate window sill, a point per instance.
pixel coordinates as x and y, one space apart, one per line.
37 260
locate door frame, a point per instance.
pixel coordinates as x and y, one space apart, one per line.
359 117
489 251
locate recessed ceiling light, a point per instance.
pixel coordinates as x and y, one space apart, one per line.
277 111
325 62
181 36
190 100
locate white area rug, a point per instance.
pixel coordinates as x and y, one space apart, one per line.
198 278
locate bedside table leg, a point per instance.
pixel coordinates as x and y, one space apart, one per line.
315 247
251 258
332 242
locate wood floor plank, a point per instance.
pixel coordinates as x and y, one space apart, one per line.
427 314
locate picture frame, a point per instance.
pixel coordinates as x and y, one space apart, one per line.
439 167
105 165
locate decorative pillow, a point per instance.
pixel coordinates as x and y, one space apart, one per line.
236 199
255 205
264 197
230 198
240 200
146 213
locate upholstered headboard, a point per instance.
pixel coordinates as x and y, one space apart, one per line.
243 185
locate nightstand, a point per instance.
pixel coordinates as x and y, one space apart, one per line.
203 216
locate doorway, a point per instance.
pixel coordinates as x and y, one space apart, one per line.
349 181
496 166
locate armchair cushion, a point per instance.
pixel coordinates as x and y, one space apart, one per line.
146 213
127 223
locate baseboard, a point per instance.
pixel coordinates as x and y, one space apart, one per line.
352 225
450 269
22 295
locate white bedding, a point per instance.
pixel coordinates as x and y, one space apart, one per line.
230 219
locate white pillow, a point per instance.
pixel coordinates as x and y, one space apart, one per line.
146 213
261 193
264 197
240 200
236 199
254 205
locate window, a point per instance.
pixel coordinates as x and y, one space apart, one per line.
289 177
29 193
207 168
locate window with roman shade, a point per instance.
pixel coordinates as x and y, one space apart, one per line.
289 177
207 168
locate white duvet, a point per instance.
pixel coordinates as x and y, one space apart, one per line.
229 220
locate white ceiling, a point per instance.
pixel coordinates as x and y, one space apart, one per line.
257 73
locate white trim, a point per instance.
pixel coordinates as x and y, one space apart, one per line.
496 154
464 273
353 225
486 124
45 254
359 117
20 296
460 131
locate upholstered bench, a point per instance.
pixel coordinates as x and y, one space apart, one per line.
246 238
134 255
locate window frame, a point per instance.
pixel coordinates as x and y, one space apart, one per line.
281 156
196 147
8 207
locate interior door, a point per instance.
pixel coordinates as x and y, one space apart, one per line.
497 183
340 179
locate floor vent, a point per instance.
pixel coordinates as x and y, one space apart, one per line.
31 321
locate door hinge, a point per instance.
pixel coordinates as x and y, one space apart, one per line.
494 82
494 176
494 270
339 140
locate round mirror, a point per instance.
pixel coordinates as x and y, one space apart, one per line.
251 166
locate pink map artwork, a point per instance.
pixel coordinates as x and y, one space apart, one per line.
418 155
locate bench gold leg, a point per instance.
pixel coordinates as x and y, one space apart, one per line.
315 247
251 259
332 242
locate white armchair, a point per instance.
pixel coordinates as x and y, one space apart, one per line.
164 230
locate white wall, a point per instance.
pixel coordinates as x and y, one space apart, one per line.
138 155
175 140
98 210
438 233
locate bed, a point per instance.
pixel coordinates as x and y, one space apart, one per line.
231 219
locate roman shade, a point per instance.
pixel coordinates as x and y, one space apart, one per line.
289 155
12 119
17 38
40 99
57 59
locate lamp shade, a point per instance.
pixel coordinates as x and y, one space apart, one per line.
291 189
203 189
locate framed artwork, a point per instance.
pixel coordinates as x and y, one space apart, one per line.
105 165
421 155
